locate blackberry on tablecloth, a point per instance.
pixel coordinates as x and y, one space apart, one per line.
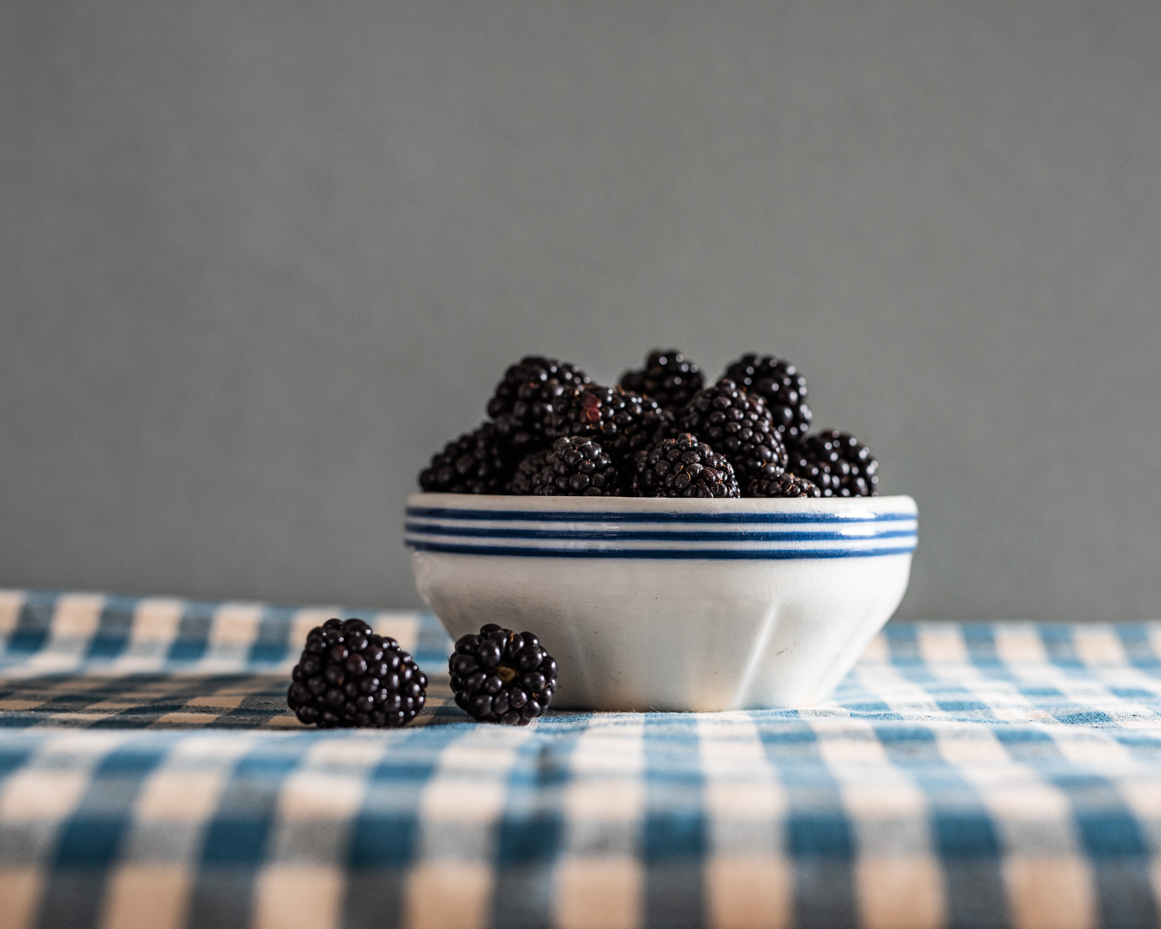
349 677
501 676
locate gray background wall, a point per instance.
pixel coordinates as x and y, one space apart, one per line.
258 261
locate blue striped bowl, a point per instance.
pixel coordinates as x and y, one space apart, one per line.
671 604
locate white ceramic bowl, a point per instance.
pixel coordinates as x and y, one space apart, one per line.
664 604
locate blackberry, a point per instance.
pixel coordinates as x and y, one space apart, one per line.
784 485
684 467
780 385
845 465
738 425
350 677
528 395
802 463
667 378
849 459
477 462
526 472
500 676
623 422
576 467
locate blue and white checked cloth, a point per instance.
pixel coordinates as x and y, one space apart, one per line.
1004 774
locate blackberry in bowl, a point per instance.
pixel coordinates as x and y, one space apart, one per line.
781 386
668 377
784 485
529 469
623 422
838 463
528 395
575 467
684 467
737 425
478 462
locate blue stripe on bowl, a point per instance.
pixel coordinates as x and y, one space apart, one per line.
847 533
643 517
717 554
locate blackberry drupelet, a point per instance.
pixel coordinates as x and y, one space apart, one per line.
623 422
667 377
576 467
853 470
521 483
684 467
500 676
784 485
478 462
737 425
350 677
780 385
528 395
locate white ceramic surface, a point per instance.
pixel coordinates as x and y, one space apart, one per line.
664 604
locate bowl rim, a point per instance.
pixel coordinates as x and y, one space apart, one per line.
896 503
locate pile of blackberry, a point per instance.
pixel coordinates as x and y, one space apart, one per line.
754 420
348 676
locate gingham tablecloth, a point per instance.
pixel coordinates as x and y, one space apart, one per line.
1003 774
